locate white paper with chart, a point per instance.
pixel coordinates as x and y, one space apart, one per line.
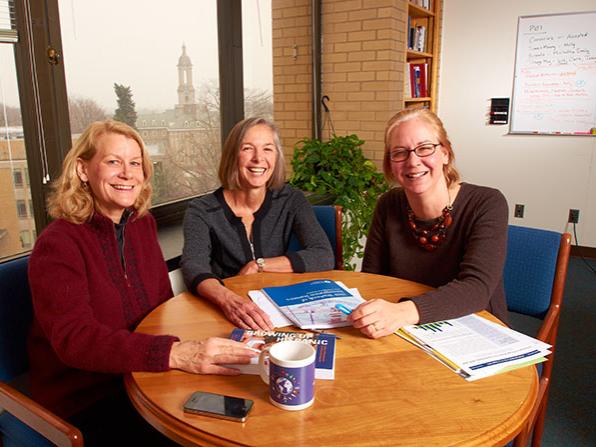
479 347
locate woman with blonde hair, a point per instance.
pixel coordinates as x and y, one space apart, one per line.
432 229
94 273
245 226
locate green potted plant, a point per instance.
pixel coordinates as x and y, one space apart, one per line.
338 167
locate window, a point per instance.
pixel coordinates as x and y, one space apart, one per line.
14 217
168 81
22 209
25 239
257 58
8 33
81 34
17 179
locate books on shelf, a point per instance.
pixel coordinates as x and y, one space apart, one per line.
407 82
475 347
308 305
417 80
417 38
422 3
323 343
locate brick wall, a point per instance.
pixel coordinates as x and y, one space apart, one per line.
292 71
363 45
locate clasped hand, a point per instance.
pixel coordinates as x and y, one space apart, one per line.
378 318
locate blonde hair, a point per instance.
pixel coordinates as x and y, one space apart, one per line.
71 199
228 166
449 171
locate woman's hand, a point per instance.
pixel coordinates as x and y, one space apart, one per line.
244 314
378 318
249 269
205 356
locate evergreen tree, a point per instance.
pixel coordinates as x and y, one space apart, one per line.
125 112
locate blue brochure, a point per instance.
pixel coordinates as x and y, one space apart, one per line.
311 304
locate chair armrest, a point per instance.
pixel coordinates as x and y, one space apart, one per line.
54 428
549 324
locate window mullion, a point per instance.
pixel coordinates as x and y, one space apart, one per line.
42 95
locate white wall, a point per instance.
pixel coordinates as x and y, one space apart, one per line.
548 174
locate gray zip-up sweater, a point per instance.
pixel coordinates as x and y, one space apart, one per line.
216 244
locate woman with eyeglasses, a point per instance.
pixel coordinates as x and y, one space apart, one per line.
432 229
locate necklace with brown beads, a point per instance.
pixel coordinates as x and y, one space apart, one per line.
429 238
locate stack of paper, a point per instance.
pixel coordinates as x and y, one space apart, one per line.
475 347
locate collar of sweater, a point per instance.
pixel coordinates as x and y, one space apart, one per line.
100 221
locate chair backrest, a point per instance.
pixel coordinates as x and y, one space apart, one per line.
23 422
16 315
534 276
330 219
530 267
177 281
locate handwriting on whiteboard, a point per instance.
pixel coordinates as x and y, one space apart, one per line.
555 74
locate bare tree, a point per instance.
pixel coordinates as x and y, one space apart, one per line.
190 163
192 167
12 117
83 111
258 103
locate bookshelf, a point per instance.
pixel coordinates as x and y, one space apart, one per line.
422 53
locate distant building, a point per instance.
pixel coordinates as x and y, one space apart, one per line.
184 151
185 114
17 225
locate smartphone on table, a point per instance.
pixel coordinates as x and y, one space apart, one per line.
218 406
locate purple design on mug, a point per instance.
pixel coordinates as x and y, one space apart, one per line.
292 386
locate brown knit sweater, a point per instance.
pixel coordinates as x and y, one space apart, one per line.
466 269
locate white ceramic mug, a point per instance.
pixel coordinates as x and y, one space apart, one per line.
290 374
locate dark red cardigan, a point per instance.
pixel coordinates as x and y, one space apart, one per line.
86 306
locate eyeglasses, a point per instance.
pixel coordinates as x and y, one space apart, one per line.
424 150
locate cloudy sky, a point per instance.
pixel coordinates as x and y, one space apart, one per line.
138 43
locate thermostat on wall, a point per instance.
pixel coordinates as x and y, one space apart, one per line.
499 111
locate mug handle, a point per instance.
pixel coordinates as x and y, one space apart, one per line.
264 359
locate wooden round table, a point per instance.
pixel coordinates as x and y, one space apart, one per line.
386 392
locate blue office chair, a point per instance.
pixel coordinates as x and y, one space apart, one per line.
330 219
23 422
534 275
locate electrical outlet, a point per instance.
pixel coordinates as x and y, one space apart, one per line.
519 211
573 216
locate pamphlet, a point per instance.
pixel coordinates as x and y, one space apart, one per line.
475 347
323 343
311 304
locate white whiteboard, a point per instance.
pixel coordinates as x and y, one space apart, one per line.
554 89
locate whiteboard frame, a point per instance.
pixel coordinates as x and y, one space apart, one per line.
513 98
